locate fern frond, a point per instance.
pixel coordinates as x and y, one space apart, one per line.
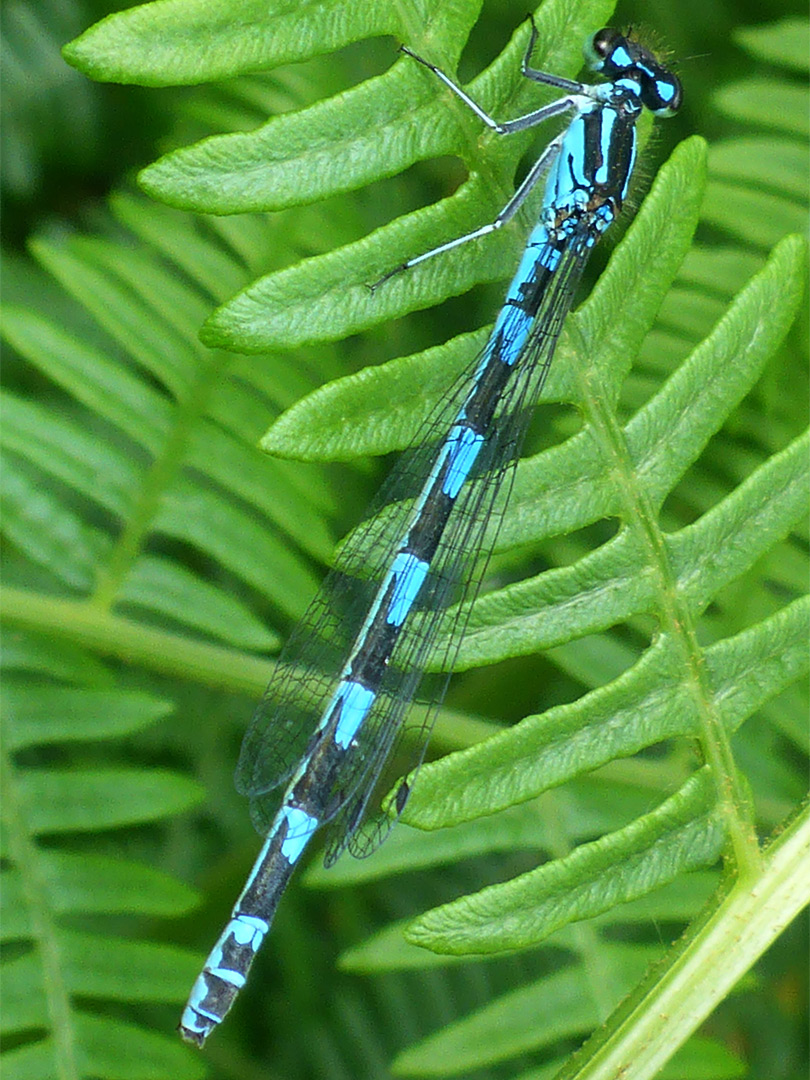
143 526
760 187
49 887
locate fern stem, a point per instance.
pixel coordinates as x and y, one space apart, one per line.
704 966
87 625
675 617
157 480
83 623
24 853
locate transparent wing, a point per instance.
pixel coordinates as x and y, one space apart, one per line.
310 665
423 659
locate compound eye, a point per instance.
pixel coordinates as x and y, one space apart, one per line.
610 52
662 94
602 43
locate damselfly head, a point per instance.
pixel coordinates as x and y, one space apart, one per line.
615 55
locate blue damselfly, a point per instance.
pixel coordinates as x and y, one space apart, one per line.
336 705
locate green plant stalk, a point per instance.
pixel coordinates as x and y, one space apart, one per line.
91 626
704 966
674 613
25 853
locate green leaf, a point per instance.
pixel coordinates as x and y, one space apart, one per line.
376 129
104 798
73 455
327 296
163 43
646 704
675 902
554 1008
109 1048
93 884
101 967
46 963
104 386
48 532
783 43
684 833
764 101
588 807
166 587
235 540
710 958
759 189
27 652
37 715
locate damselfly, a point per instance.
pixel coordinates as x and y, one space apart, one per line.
335 707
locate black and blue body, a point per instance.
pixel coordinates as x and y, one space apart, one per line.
337 703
